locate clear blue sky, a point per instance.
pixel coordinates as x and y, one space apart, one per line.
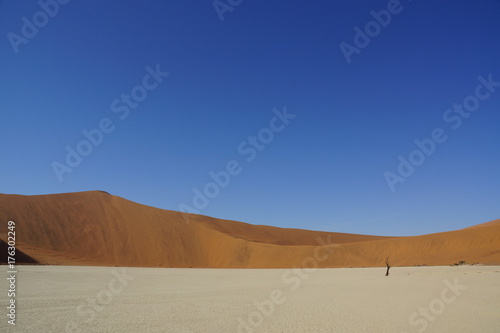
323 171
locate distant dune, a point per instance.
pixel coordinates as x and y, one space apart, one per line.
96 228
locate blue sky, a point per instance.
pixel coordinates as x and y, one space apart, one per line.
324 170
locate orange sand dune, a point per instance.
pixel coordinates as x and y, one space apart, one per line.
487 224
19 256
96 228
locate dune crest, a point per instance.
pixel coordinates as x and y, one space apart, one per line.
96 228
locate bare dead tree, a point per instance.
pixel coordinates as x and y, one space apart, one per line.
388 266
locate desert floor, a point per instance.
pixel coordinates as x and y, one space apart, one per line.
115 299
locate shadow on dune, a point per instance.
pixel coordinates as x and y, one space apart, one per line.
21 258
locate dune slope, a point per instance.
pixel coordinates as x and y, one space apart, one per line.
96 228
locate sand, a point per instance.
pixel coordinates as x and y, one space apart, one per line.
53 298
96 228
90 247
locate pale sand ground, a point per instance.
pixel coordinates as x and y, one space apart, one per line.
212 300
